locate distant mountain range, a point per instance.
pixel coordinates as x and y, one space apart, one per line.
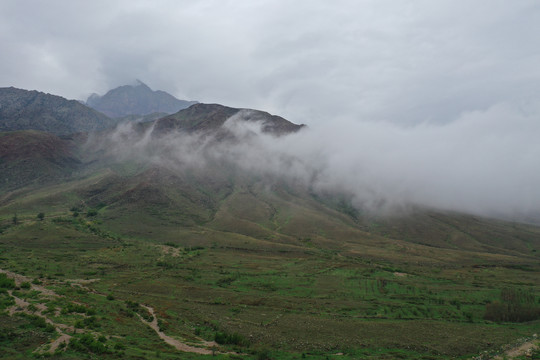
33 110
136 99
31 151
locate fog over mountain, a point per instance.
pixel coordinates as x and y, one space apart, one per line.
384 168
434 103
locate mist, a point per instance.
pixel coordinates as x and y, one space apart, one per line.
413 103
484 162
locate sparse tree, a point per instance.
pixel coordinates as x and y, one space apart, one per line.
41 216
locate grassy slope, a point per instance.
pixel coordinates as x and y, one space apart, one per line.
275 265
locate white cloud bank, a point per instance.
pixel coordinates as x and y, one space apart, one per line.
483 163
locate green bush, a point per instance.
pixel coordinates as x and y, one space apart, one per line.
6 283
37 322
76 308
263 354
87 343
119 346
5 299
516 305
224 338
91 213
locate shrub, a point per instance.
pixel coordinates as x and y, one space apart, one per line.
91 212
516 305
6 283
74 308
263 354
132 305
119 346
90 322
87 343
230 339
39 322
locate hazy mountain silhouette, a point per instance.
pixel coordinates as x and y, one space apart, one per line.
33 110
136 99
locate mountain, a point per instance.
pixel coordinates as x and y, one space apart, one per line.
141 118
33 110
136 99
34 157
204 118
152 231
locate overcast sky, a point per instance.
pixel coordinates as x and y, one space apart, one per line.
310 61
435 101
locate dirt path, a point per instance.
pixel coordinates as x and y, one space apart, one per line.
64 338
522 350
18 278
178 345
22 306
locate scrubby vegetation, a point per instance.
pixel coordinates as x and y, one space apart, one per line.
515 305
286 276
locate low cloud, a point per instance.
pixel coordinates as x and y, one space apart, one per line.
484 162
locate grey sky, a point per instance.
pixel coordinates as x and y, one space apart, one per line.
310 61
434 102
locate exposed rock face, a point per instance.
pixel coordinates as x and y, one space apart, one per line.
34 110
136 99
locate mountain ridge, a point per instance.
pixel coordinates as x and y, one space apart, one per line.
137 99
34 110
204 118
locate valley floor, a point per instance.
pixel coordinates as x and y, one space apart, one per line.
102 296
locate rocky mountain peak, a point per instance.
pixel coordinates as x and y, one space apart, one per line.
136 99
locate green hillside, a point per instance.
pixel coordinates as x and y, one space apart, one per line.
135 259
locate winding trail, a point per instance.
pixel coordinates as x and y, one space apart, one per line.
178 345
209 347
18 278
22 306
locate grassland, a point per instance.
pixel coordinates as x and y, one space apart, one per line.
267 270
